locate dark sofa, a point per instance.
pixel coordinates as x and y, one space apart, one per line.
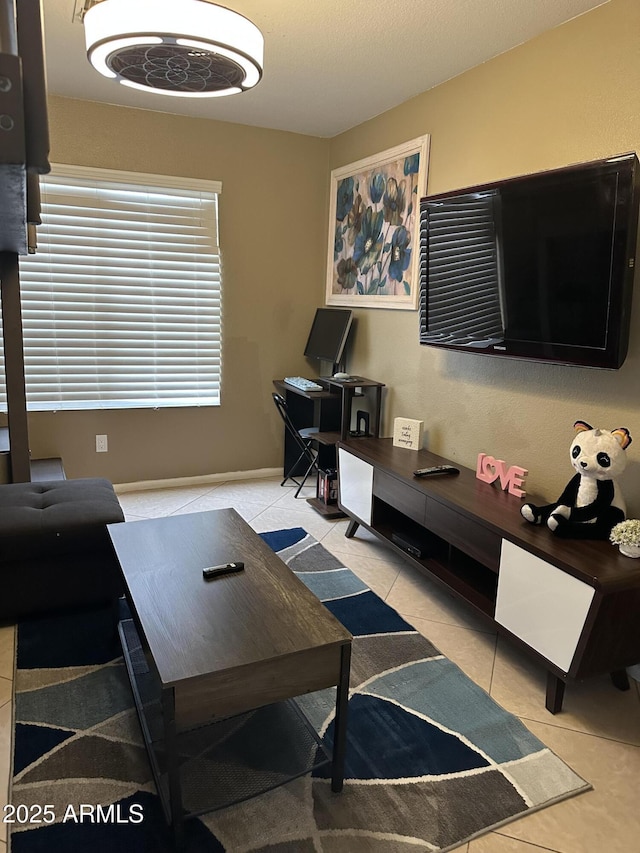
55 551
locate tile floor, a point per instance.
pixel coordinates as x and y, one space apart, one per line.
597 733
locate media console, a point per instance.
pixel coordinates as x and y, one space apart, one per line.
572 604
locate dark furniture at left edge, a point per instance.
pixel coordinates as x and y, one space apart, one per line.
24 154
55 552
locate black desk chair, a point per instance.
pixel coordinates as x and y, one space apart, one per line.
304 439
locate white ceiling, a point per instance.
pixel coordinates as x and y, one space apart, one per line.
329 64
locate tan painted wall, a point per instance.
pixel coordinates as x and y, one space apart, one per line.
272 211
568 96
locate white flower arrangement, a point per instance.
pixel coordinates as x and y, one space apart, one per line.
626 532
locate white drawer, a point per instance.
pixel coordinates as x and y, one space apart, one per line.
542 605
355 481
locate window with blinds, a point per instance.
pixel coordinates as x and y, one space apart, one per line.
121 303
459 271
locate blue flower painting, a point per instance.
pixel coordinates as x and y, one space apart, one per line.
374 233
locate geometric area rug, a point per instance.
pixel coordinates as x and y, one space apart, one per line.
432 761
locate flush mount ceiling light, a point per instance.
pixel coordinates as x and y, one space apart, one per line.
186 48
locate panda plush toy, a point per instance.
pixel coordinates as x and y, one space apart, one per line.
591 503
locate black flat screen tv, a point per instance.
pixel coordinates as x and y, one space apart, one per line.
537 267
328 335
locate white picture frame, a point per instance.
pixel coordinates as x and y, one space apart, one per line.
373 250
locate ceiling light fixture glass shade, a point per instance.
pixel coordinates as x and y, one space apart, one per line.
184 48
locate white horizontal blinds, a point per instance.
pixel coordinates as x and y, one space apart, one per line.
121 302
461 303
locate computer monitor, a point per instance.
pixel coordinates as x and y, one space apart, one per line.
328 335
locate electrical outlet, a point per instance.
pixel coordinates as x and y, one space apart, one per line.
101 444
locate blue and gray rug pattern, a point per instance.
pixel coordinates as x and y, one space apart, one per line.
432 760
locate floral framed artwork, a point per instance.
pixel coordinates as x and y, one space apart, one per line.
374 215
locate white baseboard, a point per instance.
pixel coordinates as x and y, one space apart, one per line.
202 480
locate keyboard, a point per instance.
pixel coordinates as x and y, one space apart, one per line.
303 384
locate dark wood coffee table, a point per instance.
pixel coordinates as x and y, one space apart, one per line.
210 650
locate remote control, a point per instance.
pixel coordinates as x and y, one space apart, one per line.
224 569
436 469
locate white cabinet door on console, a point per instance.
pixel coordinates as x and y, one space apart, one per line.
540 604
356 485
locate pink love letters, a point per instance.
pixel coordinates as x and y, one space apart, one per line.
489 470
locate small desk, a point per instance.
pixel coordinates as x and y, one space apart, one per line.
330 410
321 409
